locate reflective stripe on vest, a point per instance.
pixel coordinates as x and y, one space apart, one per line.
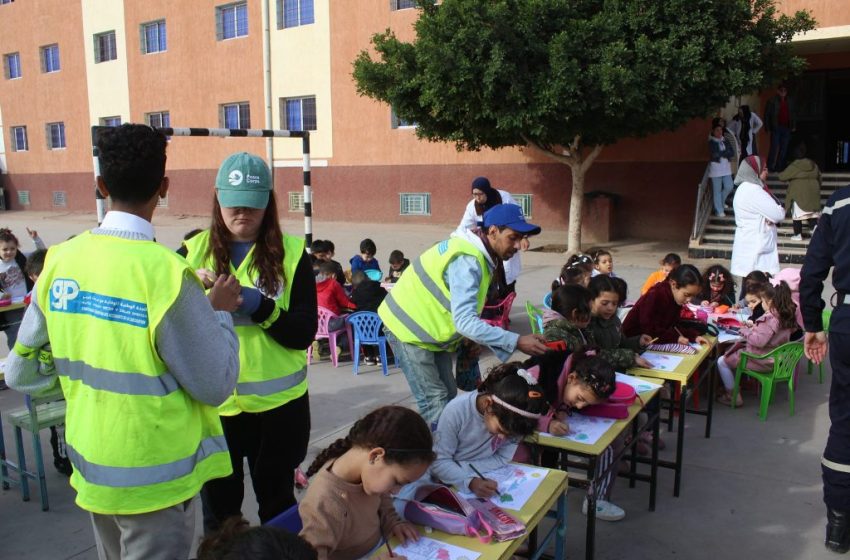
126 477
126 413
115 382
833 465
418 308
269 374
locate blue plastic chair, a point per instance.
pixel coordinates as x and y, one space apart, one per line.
366 326
547 301
289 520
373 274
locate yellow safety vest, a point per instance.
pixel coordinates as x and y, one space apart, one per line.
137 440
270 375
418 309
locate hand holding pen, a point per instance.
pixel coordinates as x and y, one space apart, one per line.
483 487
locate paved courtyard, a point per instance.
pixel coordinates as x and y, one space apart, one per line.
752 490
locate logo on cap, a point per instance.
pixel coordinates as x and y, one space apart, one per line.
235 178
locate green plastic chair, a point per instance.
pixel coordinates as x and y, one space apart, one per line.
535 317
827 315
785 360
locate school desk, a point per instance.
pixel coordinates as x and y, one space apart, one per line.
552 492
682 376
566 448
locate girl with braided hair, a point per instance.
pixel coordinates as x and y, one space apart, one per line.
347 509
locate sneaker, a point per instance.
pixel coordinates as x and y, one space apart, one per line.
369 361
3 385
338 351
797 237
317 348
63 465
720 214
606 511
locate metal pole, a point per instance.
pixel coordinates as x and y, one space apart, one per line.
100 200
267 83
308 192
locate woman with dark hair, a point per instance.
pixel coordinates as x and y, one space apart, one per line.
746 125
485 197
267 419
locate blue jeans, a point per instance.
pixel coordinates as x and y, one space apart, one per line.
721 187
429 375
779 140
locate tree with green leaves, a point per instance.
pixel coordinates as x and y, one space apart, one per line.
568 77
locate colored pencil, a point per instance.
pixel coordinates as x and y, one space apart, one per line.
481 476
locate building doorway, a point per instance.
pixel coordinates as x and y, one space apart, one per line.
823 117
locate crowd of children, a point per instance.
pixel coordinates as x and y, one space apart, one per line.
348 512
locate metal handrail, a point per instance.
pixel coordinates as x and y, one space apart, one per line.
702 213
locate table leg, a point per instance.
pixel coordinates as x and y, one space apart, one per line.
680 438
4 471
671 406
712 382
590 537
561 535
653 468
633 454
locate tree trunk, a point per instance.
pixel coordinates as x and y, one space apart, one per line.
576 204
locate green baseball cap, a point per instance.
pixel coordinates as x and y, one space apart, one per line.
243 181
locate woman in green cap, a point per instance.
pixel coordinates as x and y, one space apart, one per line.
267 419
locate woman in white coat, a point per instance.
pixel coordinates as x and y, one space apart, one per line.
746 126
756 214
485 197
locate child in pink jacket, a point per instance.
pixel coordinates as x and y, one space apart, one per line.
769 331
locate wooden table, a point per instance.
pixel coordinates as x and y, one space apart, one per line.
552 492
682 377
591 453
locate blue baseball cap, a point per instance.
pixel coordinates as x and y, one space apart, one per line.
509 215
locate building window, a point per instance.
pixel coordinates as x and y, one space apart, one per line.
298 113
50 58
402 4
398 122
235 115
24 198
55 136
104 47
296 201
231 21
153 37
524 201
415 204
292 13
110 121
60 199
12 65
159 119
19 139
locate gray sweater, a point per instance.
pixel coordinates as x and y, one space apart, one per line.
198 345
461 438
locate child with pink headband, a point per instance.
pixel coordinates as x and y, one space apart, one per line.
479 431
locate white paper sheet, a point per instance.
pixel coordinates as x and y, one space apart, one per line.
725 336
430 549
640 385
586 429
662 362
517 483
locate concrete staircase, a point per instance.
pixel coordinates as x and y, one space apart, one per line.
715 241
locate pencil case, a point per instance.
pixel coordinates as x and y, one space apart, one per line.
439 507
505 526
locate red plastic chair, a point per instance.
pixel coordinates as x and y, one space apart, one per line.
325 315
502 311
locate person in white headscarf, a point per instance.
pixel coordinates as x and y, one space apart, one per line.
756 214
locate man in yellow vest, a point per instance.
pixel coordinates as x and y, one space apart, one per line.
143 358
438 301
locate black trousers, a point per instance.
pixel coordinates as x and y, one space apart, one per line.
836 484
275 443
798 225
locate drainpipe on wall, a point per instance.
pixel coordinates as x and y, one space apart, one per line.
267 84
